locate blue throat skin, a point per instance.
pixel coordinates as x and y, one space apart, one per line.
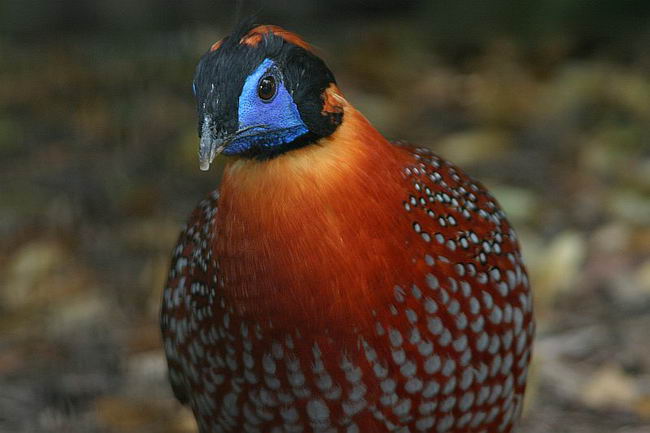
265 124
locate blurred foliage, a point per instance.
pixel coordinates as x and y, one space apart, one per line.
548 102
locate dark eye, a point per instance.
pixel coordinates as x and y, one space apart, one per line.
266 88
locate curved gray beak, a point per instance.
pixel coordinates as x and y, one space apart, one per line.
210 145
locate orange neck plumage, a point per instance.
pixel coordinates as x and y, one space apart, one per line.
296 234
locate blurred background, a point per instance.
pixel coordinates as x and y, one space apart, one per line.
547 102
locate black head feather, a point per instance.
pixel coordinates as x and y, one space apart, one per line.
221 73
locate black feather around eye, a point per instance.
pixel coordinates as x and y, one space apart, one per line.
220 76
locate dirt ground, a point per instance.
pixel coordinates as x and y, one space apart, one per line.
98 171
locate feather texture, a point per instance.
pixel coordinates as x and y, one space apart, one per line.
354 283
351 285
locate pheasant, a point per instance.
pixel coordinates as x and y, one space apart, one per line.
335 281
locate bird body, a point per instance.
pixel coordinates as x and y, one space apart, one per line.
343 284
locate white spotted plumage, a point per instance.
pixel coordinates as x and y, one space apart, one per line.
448 353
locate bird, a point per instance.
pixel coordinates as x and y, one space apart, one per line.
336 281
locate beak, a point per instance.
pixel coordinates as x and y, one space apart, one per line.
210 145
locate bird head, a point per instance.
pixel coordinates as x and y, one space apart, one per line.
261 92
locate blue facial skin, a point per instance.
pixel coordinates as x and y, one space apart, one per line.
265 124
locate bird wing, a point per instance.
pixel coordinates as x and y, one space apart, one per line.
189 269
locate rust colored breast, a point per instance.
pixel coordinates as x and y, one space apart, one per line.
303 253
352 287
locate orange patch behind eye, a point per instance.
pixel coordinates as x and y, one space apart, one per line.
255 36
333 100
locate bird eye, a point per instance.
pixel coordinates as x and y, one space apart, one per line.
266 88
